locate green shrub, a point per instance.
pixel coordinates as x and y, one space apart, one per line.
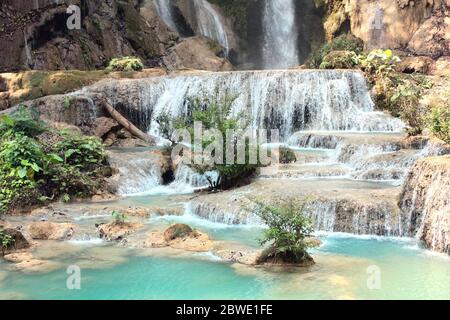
24 121
32 172
438 119
406 99
339 60
288 232
214 113
125 64
119 217
378 63
5 240
344 42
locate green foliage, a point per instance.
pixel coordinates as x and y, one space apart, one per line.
214 113
340 60
405 100
80 151
438 119
288 230
378 63
343 42
24 121
125 64
32 172
5 240
119 217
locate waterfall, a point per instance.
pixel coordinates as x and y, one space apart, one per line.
289 100
164 9
210 24
280 47
29 62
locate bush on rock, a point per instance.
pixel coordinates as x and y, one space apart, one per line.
125 64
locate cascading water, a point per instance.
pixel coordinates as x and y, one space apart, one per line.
210 23
280 47
164 10
279 99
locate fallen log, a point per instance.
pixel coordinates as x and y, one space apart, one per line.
127 124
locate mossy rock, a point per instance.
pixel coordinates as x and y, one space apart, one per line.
176 231
340 59
287 155
271 257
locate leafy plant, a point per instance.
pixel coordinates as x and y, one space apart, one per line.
34 172
339 60
406 99
341 43
215 113
119 217
438 119
125 64
287 233
378 63
5 239
24 120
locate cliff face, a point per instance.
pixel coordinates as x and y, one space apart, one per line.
425 202
35 35
420 27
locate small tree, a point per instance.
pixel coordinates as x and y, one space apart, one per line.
119 217
288 233
214 113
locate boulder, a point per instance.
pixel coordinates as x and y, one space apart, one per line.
196 53
270 257
180 237
442 67
18 241
117 231
177 231
245 257
103 125
420 64
45 230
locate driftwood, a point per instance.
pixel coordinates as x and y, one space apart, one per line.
127 124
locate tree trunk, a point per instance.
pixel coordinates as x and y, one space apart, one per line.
127 124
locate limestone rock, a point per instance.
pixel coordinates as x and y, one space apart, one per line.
115 231
196 53
27 262
424 202
420 64
143 213
18 241
109 29
186 239
51 231
442 67
433 36
239 256
177 231
103 125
